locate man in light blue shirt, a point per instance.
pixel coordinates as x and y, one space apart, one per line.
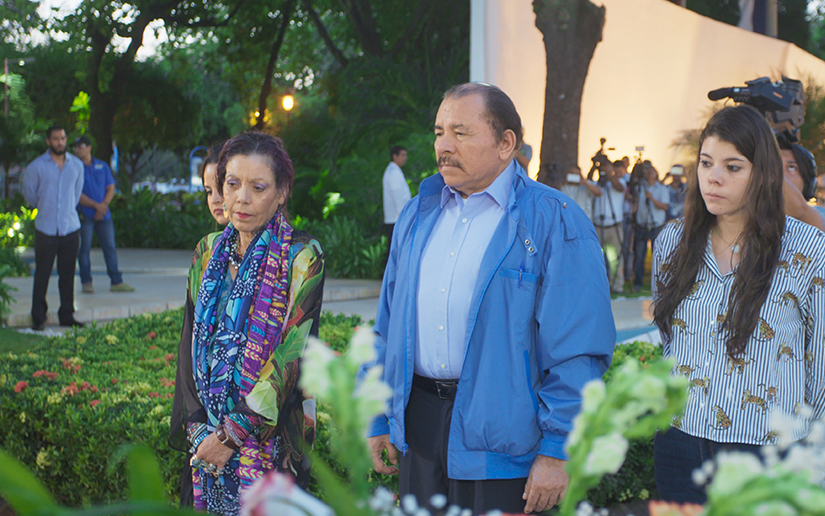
494 313
53 183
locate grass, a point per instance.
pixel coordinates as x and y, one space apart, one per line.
16 342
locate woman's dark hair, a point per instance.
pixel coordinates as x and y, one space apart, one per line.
744 128
501 112
255 143
210 159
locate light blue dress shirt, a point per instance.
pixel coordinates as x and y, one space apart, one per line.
55 193
449 270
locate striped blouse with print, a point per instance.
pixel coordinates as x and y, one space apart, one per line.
783 366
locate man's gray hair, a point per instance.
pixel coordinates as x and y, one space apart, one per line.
500 113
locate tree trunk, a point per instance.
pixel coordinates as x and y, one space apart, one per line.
571 29
266 88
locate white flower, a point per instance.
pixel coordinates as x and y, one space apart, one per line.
699 477
453 510
409 504
438 501
315 368
735 470
584 509
592 395
798 459
650 389
774 508
361 348
606 455
372 394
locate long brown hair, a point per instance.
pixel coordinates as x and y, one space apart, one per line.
744 128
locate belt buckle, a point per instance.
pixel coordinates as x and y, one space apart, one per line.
439 385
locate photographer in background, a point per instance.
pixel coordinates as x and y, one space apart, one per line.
607 210
575 186
651 210
799 166
678 192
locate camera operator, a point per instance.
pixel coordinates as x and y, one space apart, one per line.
800 176
575 187
607 211
651 210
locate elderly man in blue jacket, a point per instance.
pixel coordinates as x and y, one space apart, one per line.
494 313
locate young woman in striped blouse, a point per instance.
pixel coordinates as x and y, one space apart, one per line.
740 303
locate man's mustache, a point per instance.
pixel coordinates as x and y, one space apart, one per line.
450 162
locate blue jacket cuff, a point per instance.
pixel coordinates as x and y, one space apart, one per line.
552 445
380 426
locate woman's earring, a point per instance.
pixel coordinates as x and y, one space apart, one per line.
224 206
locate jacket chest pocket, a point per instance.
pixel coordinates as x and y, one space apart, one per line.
523 278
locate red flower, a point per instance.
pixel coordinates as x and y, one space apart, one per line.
151 335
85 386
152 348
47 374
21 386
70 389
114 381
94 403
170 395
95 389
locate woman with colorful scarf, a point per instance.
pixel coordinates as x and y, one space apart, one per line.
238 403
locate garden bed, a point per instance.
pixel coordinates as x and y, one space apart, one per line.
70 402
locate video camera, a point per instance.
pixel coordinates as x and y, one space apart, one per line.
782 103
599 160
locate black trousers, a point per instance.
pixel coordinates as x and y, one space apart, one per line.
675 456
423 470
46 248
387 230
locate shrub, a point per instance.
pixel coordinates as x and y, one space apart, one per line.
146 219
5 292
72 401
17 228
348 253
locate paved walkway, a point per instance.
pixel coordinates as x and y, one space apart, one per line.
159 278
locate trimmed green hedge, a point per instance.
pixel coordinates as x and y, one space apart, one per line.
70 402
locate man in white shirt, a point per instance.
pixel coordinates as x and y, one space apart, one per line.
574 187
396 189
607 216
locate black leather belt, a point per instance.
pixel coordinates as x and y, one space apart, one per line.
444 389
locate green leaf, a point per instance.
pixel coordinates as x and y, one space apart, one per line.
142 473
21 489
293 345
263 399
337 494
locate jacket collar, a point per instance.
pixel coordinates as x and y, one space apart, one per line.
431 189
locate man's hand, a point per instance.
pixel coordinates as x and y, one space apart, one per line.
546 484
376 445
100 211
648 194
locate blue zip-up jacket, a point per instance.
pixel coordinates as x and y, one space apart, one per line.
540 327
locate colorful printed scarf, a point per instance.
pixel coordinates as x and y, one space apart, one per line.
249 329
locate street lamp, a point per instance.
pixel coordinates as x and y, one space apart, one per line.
288 103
